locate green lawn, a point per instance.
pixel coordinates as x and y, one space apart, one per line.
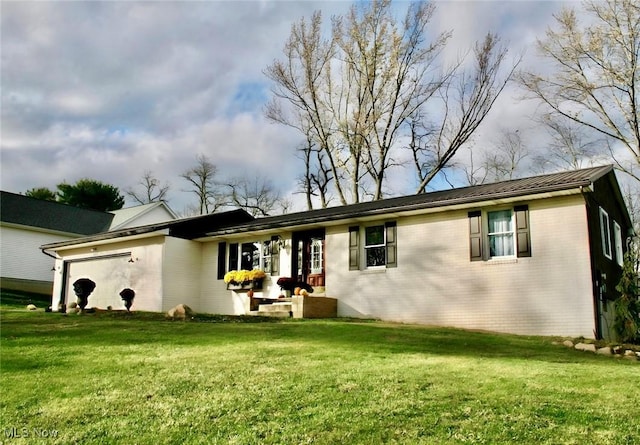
117 378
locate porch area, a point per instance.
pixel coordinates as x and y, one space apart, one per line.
296 306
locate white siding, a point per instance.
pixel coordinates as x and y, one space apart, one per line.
181 273
436 283
21 256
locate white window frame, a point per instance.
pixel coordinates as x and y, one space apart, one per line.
617 237
372 246
261 254
605 233
316 256
265 255
512 232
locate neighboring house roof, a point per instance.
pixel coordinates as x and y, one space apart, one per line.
239 221
126 217
49 215
188 228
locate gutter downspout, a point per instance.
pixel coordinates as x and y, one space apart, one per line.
63 285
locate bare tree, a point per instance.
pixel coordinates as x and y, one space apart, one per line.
201 180
506 160
596 77
317 176
570 147
301 82
501 162
389 73
354 93
257 196
149 189
466 100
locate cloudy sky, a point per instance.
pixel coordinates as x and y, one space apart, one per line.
107 90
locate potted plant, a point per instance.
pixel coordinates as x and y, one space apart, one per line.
288 284
244 279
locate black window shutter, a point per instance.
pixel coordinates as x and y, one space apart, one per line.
392 257
275 255
354 248
233 256
475 235
523 235
222 256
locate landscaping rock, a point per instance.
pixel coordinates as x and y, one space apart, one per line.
585 347
630 355
180 312
32 307
604 351
568 343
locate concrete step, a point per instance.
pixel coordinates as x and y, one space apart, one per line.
282 314
275 307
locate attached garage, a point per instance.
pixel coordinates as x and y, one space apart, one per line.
134 264
111 274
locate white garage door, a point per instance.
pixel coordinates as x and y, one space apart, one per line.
111 275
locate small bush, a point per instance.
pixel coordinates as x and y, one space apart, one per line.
627 305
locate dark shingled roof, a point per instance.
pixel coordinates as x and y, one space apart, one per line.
239 221
26 211
499 190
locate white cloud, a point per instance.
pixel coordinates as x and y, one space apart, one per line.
108 90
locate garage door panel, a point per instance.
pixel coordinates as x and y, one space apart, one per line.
110 275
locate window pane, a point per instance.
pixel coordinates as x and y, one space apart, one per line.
375 256
606 233
500 222
316 256
250 256
501 245
501 237
374 236
617 234
266 256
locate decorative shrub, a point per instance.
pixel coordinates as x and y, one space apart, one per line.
290 284
627 305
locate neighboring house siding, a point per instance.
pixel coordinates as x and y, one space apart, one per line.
436 283
157 215
21 256
112 273
153 216
181 273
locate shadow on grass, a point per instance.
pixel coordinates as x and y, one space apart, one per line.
16 298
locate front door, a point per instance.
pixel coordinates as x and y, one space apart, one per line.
308 257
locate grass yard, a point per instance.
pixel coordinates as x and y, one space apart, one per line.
115 378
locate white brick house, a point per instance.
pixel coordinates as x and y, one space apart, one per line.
537 256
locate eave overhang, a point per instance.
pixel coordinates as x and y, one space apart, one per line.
263 227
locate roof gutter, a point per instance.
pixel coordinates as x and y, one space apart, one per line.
91 242
48 254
